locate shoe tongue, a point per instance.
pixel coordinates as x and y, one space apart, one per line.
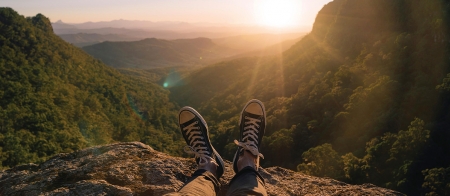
189 122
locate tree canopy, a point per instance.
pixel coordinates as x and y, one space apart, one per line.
55 98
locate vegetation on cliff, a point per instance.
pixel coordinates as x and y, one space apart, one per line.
55 98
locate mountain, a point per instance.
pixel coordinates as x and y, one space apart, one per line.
86 39
153 52
175 26
150 53
137 169
362 98
55 98
162 29
137 24
130 24
89 33
137 33
61 25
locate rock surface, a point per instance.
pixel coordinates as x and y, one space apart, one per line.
136 169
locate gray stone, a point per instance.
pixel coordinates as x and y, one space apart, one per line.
136 169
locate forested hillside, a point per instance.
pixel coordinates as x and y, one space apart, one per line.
86 39
152 52
56 98
363 98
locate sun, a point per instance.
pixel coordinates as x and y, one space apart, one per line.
277 13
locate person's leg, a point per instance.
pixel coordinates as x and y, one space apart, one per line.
247 180
204 181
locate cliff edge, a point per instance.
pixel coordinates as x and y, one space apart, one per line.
136 169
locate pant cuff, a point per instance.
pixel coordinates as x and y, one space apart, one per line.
248 169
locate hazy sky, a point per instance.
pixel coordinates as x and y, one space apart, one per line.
302 12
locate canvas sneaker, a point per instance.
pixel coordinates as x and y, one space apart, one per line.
195 132
252 124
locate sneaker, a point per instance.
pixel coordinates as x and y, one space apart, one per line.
195 132
251 125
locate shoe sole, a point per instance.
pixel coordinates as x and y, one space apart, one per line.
190 109
236 155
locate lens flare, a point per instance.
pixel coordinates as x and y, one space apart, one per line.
173 79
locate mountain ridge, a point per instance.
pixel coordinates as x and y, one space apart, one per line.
173 26
161 30
152 52
86 39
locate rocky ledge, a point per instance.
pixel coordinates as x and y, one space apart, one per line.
136 169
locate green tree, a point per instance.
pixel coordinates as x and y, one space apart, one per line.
278 146
396 156
354 169
437 181
322 161
405 152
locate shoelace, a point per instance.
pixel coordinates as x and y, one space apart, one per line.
198 148
251 131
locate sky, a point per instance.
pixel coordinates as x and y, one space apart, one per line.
260 12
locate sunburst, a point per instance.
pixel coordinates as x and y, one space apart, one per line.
277 13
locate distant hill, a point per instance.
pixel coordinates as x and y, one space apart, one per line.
137 24
162 30
153 52
150 53
61 25
86 39
175 26
55 98
136 33
133 24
